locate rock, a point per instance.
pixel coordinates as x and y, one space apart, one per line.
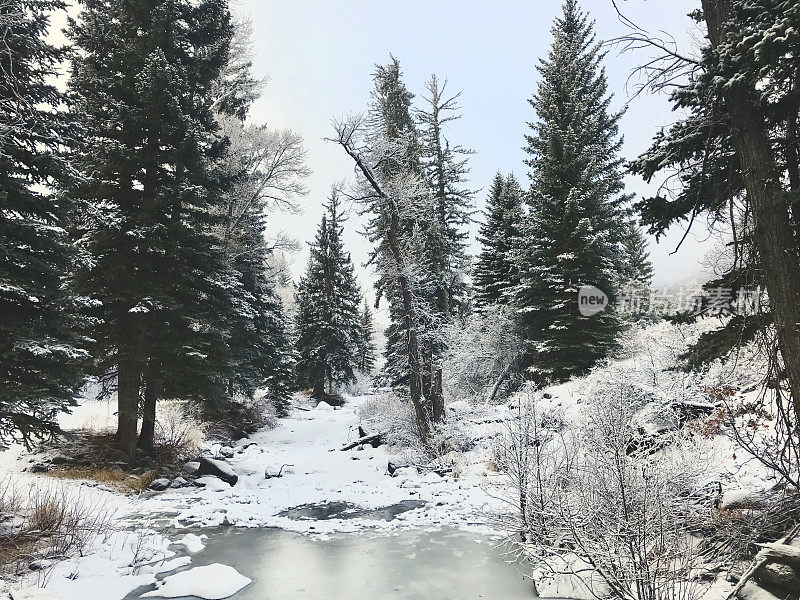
59 459
751 591
40 564
37 468
11 525
191 467
226 451
178 482
219 469
780 575
211 483
160 484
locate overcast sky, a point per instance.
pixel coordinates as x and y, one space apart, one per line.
319 56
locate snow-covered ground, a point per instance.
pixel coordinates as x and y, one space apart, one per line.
305 449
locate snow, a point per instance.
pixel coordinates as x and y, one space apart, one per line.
305 449
210 582
193 543
310 442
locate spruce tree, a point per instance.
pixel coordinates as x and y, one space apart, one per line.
445 169
637 268
757 63
365 358
42 354
494 274
328 319
144 81
391 128
572 235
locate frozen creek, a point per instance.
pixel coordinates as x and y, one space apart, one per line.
333 525
407 565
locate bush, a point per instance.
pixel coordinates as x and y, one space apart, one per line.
53 522
600 503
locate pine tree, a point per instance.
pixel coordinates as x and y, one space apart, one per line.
143 82
571 236
637 268
445 169
42 354
494 274
365 361
392 129
328 319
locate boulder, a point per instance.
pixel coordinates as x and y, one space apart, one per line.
178 482
191 467
160 484
780 575
751 591
219 469
226 451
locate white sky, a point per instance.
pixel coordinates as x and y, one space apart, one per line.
319 56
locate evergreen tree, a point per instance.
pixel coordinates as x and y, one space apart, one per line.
144 83
757 64
328 319
572 235
365 361
494 274
391 128
445 169
637 268
41 351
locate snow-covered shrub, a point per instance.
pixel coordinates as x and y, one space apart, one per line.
47 521
482 355
389 413
533 456
178 431
236 418
361 386
601 499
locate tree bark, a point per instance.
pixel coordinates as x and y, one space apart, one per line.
437 396
773 228
152 391
128 379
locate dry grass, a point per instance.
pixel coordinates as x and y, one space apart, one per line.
113 478
53 522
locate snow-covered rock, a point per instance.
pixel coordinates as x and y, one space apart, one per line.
217 468
160 484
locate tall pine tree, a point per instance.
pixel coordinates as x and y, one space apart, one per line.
365 358
144 82
573 233
328 317
445 168
41 352
494 274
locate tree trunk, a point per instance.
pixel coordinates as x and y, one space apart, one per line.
152 391
773 228
437 397
128 380
406 295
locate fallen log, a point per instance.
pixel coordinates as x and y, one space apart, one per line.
376 439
